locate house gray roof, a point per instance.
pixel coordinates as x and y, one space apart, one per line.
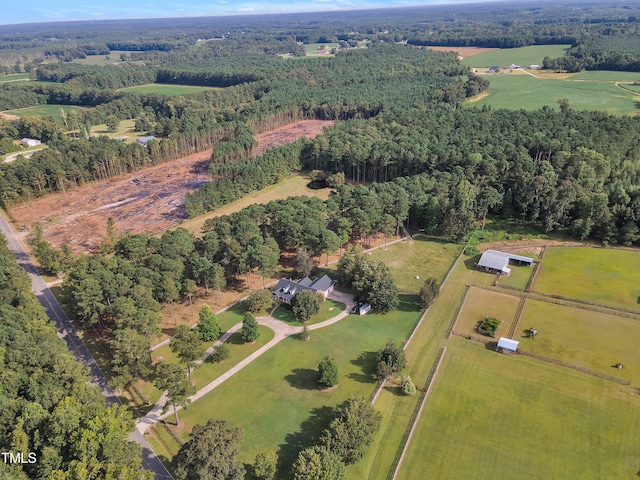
322 284
145 140
287 288
306 281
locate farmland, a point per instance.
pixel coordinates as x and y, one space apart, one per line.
524 56
166 89
43 111
481 304
517 90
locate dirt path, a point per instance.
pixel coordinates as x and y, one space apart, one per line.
149 200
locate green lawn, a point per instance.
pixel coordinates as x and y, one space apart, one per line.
14 77
524 56
328 309
606 76
516 91
43 111
497 416
483 303
580 337
166 89
594 274
519 276
276 400
424 258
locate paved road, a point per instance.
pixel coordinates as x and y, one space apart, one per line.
68 333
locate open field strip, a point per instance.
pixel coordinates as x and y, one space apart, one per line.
169 90
289 187
524 56
483 303
589 339
14 77
513 91
44 111
606 276
494 415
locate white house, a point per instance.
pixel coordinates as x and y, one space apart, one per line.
30 142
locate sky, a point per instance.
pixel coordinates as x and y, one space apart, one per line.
64 10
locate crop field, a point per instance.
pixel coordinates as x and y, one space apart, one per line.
166 89
581 337
599 275
483 303
285 410
492 415
423 258
43 111
518 90
524 56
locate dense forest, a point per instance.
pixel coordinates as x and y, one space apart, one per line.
50 414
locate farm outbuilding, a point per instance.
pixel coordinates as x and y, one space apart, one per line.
364 309
493 261
30 142
506 345
145 140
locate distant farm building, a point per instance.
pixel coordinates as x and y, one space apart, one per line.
29 142
534 67
513 66
145 140
493 261
286 289
494 69
506 345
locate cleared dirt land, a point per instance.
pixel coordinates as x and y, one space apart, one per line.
149 200
463 51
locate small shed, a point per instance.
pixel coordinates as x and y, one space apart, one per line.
364 309
494 69
145 140
506 345
534 67
30 142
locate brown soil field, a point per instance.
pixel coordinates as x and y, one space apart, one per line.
463 51
9 116
149 200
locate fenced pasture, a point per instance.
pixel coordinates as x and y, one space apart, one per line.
519 276
492 415
518 90
606 76
480 304
167 89
581 337
524 56
599 275
423 257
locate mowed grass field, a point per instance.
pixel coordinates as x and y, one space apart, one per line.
524 56
423 257
166 89
312 49
519 276
598 275
484 303
43 111
518 90
289 187
581 337
498 416
276 399
328 309
14 77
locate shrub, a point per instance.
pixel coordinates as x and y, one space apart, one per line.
328 370
408 388
489 326
219 354
259 300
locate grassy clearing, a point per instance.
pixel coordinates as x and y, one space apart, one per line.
113 58
524 56
519 276
593 274
312 49
328 309
424 258
289 187
291 412
581 337
14 77
43 111
606 76
483 303
126 131
166 89
515 91
493 415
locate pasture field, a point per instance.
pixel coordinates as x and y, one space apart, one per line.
102 60
328 309
424 258
43 111
276 399
167 89
518 90
524 56
311 49
289 187
492 415
581 337
606 76
484 303
125 131
14 77
599 275
519 276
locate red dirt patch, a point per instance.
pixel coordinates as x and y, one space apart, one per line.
148 200
463 51
9 116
